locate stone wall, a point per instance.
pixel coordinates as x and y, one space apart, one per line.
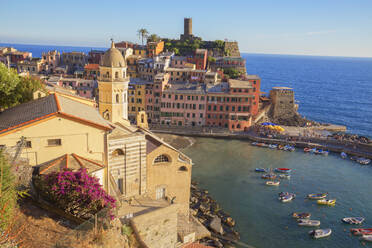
231 48
157 228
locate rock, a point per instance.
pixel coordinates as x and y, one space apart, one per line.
216 226
230 221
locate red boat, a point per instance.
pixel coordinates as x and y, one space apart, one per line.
361 231
307 149
283 170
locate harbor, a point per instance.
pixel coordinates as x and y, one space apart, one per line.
227 169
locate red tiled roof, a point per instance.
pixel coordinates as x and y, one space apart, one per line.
91 66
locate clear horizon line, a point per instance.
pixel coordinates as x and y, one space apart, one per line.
289 54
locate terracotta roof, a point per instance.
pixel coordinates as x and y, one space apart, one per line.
68 161
52 105
92 66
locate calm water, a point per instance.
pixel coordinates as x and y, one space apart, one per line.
226 169
330 89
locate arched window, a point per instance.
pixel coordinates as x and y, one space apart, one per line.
116 74
162 159
107 74
118 152
117 98
182 168
238 126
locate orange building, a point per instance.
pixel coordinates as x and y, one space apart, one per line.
154 48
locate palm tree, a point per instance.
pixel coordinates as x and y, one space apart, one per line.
142 33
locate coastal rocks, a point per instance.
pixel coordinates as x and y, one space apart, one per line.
210 214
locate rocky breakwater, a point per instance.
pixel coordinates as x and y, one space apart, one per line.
218 222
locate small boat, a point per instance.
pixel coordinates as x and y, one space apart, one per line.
280 147
343 155
273 183
284 176
260 170
353 220
289 148
281 194
367 237
283 170
268 176
361 231
307 149
330 202
317 196
363 161
302 222
320 233
286 198
273 146
301 215
254 143
321 152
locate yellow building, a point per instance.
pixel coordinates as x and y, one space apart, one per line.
136 97
52 126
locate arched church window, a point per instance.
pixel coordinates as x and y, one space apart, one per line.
118 152
182 168
117 98
162 159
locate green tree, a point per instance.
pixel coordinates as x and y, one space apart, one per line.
219 44
232 72
26 87
8 193
211 59
175 50
153 37
142 33
9 80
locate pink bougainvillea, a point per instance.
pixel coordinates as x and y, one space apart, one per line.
75 192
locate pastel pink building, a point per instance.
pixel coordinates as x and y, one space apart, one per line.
83 87
183 105
50 61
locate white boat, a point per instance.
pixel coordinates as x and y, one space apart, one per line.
273 183
284 176
353 220
286 198
320 233
304 222
367 238
363 161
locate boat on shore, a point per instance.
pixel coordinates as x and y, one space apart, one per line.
320 233
272 183
297 215
361 231
317 196
343 155
353 220
330 202
302 222
261 170
273 146
283 170
289 148
363 161
366 237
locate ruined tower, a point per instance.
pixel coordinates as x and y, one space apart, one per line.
187 30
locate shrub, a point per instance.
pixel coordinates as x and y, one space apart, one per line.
8 193
76 193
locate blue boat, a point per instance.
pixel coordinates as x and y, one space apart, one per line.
260 170
343 155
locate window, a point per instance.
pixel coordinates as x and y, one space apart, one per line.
181 97
182 168
117 98
193 115
161 159
54 142
221 108
116 74
118 152
201 115
28 144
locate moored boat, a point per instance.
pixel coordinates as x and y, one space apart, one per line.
343 155
307 149
273 183
320 233
363 161
281 194
353 220
273 146
317 196
367 237
283 170
286 198
321 152
297 215
302 222
268 176
284 176
261 170
330 202
361 231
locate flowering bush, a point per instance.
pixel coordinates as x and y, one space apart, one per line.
75 192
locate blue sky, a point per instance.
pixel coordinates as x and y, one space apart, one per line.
310 27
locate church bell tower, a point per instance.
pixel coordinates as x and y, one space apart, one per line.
113 86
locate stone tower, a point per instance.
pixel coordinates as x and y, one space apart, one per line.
113 86
187 30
